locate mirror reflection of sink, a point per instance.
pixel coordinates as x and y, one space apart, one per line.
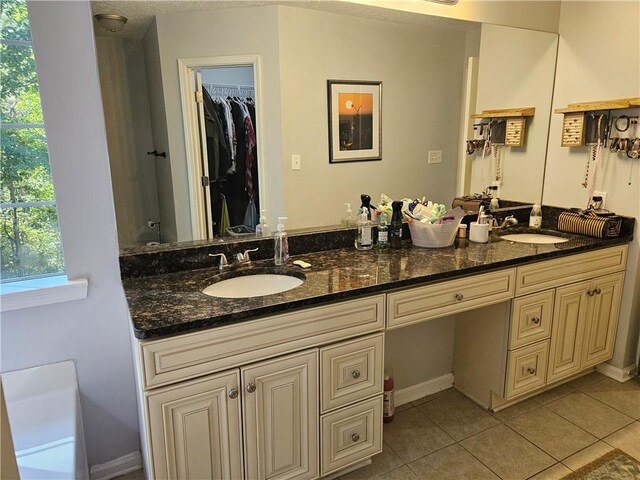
537 238
253 283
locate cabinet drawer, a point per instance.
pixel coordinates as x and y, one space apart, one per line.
432 301
575 268
351 435
186 356
526 369
351 371
531 319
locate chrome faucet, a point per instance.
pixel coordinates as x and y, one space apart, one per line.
243 258
507 222
223 260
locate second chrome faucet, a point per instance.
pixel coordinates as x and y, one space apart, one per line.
241 259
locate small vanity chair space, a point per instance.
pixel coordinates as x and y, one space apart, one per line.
290 384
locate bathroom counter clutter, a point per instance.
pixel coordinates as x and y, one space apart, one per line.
173 303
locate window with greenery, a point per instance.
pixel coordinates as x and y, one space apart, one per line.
30 237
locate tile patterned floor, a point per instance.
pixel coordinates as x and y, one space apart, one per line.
447 436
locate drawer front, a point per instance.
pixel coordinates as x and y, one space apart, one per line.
575 268
187 356
351 435
531 319
526 369
351 371
432 301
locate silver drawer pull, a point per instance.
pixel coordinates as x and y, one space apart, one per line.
531 370
251 387
535 320
459 296
233 393
355 437
355 374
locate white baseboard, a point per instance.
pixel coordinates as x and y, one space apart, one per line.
118 467
415 392
619 374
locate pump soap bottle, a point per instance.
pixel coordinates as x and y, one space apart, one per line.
348 220
364 239
366 203
535 218
281 244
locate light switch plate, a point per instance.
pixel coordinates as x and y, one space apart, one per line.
435 156
295 162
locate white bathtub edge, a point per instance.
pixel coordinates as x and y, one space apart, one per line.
118 467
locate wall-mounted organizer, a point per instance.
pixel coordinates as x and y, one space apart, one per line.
511 122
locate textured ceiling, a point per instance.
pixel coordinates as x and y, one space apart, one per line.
141 12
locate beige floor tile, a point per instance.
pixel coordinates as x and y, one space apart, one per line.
411 435
589 454
624 397
508 454
554 394
136 475
627 439
402 473
552 473
517 409
381 463
451 462
589 414
433 396
402 408
552 433
586 380
457 415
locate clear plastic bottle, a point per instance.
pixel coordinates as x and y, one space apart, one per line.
535 218
383 232
364 240
281 244
348 220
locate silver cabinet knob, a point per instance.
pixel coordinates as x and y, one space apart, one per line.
531 370
355 437
233 393
459 297
355 374
251 387
535 320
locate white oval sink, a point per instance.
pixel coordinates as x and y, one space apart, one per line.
533 238
252 285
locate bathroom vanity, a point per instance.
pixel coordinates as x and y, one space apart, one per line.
290 385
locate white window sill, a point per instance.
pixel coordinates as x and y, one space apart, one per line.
41 291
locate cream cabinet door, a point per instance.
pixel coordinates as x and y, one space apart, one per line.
280 411
604 308
195 429
567 334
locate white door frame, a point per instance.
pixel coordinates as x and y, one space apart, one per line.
186 66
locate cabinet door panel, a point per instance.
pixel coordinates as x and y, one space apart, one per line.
569 317
195 429
600 333
281 417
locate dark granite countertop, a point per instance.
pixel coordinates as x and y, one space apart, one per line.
173 303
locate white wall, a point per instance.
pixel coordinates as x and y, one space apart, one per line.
598 60
94 332
421 73
516 69
125 100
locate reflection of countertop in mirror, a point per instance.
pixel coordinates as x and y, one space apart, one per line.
173 303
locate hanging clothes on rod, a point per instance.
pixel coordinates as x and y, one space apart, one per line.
234 108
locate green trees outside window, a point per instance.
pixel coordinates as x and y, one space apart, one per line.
29 233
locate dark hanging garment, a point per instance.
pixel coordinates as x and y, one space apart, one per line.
254 167
237 199
217 153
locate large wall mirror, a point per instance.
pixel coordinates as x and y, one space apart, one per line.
435 73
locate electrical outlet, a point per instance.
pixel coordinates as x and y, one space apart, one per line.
295 162
604 198
435 156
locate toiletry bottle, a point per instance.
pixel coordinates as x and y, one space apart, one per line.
281 244
493 192
348 220
383 232
535 218
264 224
395 229
366 203
364 240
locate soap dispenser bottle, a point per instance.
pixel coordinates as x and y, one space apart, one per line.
264 224
366 203
535 218
281 244
364 240
348 220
